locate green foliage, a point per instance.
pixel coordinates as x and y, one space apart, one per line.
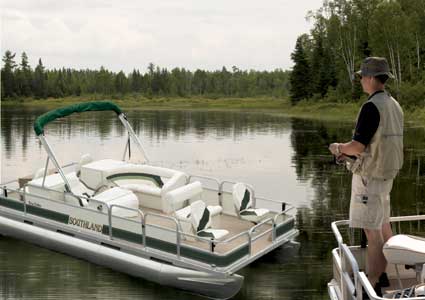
8 78
412 94
156 82
347 31
301 74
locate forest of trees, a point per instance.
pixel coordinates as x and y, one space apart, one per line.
344 33
20 80
347 31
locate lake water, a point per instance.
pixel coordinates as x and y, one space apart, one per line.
283 158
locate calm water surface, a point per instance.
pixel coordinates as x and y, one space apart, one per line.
285 159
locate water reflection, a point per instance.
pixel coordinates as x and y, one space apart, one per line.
283 158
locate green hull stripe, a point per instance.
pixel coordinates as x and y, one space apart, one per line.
123 234
45 213
205 257
285 227
34 210
11 204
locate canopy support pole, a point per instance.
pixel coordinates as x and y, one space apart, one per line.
131 133
45 171
52 156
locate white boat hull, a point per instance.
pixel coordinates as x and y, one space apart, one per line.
207 284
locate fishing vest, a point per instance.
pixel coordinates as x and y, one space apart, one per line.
383 157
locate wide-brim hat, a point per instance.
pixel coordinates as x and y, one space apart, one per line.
375 66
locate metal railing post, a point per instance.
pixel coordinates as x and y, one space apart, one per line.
178 238
25 199
110 221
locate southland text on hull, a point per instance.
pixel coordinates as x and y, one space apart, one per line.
85 224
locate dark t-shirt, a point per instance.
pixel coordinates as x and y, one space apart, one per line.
367 123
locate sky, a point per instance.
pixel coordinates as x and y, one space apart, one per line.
129 34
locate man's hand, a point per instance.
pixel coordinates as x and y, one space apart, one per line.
334 148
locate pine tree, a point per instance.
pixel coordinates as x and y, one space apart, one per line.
25 79
40 81
7 75
300 78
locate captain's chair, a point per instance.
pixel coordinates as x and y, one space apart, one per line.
243 197
200 217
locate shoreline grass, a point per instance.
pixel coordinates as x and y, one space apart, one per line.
305 109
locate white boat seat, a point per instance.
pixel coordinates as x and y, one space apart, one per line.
243 200
152 182
84 160
118 196
55 182
405 249
176 198
200 217
184 213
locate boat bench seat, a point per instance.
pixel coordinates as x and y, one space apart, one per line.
54 187
116 196
152 182
405 250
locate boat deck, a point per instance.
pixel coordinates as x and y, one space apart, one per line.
230 223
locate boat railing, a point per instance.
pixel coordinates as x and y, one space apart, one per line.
174 220
347 264
138 211
212 179
349 270
395 222
221 184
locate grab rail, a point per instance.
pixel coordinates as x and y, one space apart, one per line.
142 219
211 179
348 288
177 228
338 236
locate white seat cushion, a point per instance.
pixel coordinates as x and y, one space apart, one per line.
184 213
242 196
254 214
142 188
120 197
213 233
405 249
175 198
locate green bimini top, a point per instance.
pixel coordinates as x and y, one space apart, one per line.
49 116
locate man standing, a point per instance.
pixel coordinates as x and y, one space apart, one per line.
377 144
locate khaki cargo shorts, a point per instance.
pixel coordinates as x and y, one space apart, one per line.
370 202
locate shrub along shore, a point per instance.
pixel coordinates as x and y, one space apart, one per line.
321 110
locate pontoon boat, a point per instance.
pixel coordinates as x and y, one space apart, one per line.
185 231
